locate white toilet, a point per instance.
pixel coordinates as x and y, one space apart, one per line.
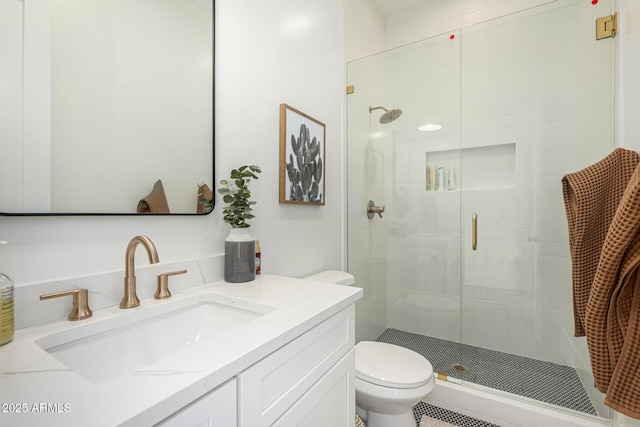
390 379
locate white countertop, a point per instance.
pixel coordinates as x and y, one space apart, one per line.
51 394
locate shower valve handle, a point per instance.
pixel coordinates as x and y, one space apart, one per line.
372 209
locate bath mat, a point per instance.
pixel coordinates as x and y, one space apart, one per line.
427 421
449 418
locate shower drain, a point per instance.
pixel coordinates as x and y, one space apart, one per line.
459 367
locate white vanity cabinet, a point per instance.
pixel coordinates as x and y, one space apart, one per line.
309 381
216 408
328 402
288 362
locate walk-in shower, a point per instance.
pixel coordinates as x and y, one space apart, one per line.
518 109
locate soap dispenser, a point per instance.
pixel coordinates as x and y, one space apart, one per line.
7 325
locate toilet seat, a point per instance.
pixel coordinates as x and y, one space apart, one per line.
391 366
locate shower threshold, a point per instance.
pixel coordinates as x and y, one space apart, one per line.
535 379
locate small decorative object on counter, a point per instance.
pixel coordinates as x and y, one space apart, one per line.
205 199
258 258
239 246
7 325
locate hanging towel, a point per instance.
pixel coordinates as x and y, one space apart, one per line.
591 197
155 202
612 318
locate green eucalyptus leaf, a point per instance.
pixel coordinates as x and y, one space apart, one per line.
238 198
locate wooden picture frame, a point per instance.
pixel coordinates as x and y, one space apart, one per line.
302 158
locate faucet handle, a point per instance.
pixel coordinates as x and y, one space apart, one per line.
80 309
372 209
162 291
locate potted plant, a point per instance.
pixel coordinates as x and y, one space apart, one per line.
239 246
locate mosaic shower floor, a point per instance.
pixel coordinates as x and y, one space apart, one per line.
535 379
450 418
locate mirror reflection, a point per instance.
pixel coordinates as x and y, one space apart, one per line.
129 123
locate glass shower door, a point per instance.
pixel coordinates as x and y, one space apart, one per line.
537 103
408 259
493 116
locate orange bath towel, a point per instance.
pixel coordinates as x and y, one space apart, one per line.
591 197
155 202
612 318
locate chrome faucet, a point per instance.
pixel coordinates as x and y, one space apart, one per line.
130 299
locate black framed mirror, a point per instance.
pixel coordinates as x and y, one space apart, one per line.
109 108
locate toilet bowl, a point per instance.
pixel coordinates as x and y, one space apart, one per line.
390 379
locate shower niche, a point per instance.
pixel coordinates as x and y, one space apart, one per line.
489 167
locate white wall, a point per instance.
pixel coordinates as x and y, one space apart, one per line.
11 163
629 70
25 163
364 30
441 16
267 53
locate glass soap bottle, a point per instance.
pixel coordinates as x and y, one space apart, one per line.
7 325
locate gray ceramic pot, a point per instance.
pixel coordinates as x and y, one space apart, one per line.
239 256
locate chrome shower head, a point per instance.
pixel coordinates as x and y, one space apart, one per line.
388 116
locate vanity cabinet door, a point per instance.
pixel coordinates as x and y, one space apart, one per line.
275 384
216 408
330 402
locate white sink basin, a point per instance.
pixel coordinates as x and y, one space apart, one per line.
105 350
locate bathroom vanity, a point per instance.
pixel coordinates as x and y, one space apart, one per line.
275 351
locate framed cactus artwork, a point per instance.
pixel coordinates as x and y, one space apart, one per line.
302 158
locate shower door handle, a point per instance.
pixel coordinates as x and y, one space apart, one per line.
474 231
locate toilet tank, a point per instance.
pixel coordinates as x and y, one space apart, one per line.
333 276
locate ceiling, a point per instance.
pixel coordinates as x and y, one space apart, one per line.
391 7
